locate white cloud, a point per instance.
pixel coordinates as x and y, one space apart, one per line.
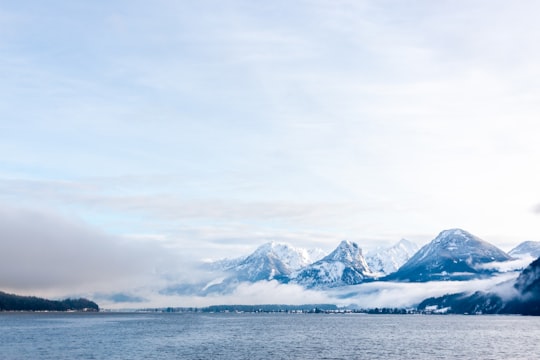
505 266
262 292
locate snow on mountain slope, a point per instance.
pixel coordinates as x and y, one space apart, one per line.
272 260
269 261
344 266
223 264
453 255
389 260
292 257
526 249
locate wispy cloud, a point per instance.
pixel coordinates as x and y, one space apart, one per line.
175 214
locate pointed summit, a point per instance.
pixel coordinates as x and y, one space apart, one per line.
346 251
454 254
343 266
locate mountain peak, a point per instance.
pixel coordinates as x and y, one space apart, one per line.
458 240
271 260
526 249
454 254
454 235
279 259
455 231
347 252
343 266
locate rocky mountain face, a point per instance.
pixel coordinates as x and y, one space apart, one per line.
524 298
453 255
388 260
344 266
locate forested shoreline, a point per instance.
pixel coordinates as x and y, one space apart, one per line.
12 302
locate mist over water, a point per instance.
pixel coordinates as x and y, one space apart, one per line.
266 336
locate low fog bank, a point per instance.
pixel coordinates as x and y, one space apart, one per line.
262 292
368 295
46 254
405 294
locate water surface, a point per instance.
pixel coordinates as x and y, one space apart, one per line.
266 336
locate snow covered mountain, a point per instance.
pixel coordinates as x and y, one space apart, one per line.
453 255
274 261
389 260
526 249
344 266
269 261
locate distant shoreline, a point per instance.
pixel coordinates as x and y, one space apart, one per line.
18 303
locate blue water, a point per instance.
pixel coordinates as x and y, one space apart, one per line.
266 336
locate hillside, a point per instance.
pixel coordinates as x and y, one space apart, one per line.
522 297
11 302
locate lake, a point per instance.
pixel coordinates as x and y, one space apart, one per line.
266 336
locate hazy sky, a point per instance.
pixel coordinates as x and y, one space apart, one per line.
166 130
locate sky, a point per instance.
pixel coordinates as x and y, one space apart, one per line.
137 138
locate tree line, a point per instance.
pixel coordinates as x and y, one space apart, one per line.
11 302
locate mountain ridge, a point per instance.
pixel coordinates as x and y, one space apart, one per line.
454 254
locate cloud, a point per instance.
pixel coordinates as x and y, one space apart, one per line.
176 204
511 265
367 295
394 294
262 292
212 218
272 292
45 252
